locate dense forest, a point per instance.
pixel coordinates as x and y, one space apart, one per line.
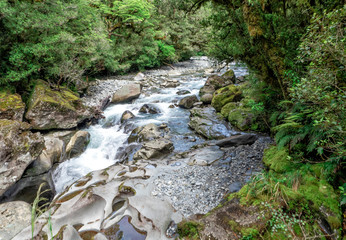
295 51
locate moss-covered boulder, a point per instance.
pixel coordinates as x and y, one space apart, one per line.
213 83
18 148
11 106
241 118
225 95
229 76
55 109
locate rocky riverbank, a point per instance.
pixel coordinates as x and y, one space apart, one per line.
176 169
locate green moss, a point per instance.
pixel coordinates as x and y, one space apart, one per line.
249 232
10 101
189 229
277 159
241 118
63 98
228 108
226 95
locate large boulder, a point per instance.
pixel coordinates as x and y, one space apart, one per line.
18 148
154 149
213 83
77 144
226 95
128 92
241 118
55 109
207 123
54 152
187 102
145 133
11 106
14 217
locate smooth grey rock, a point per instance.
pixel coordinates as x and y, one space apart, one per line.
77 144
126 116
14 217
127 93
244 139
187 102
207 98
139 77
54 152
93 203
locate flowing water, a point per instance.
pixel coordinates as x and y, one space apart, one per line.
109 135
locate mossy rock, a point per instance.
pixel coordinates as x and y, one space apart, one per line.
221 97
11 106
55 109
228 108
229 76
277 159
241 118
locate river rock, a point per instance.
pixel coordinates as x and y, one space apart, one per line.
145 133
149 108
207 98
187 102
14 216
218 82
126 116
205 156
229 77
55 109
11 106
100 201
125 153
127 93
207 123
139 77
53 152
183 92
18 148
154 149
244 139
226 95
77 144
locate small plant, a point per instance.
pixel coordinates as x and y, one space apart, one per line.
282 222
38 209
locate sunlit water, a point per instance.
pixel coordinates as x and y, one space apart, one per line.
109 135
